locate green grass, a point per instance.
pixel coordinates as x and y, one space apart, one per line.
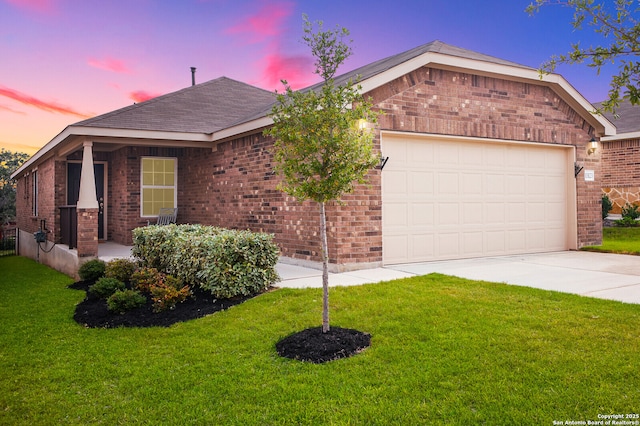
618 240
444 351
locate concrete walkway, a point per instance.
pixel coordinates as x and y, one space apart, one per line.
601 275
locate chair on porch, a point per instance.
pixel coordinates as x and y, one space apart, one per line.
167 216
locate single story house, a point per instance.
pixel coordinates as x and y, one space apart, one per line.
621 158
484 157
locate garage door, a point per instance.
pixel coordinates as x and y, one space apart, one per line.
454 198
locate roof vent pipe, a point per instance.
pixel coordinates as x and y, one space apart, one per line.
193 76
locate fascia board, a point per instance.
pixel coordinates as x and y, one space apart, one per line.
101 132
242 128
621 136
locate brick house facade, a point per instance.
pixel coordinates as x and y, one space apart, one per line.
229 182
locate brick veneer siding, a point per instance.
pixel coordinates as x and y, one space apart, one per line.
49 198
437 101
621 173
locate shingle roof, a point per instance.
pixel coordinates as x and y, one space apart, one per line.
626 119
203 108
436 46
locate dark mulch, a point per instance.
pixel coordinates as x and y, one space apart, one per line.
93 313
314 346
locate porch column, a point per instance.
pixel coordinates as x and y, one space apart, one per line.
87 207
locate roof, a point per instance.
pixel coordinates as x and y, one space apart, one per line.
626 118
203 108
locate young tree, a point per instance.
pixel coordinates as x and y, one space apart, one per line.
321 151
617 21
9 163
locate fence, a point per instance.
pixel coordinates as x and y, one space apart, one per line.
8 241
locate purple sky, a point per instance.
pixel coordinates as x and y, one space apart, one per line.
65 60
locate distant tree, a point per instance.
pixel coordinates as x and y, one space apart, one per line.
9 163
616 20
321 151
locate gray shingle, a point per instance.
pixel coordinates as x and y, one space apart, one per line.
626 119
203 108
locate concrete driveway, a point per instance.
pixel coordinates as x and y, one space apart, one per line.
601 275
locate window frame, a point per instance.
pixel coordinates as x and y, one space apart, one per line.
143 186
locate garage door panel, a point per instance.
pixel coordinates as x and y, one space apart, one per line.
447 199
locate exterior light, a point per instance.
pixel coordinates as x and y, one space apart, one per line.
592 146
362 124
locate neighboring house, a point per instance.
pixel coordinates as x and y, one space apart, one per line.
482 155
621 157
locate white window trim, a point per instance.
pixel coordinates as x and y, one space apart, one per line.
175 182
34 193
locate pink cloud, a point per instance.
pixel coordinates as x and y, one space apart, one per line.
15 111
39 6
297 70
267 21
38 103
141 96
109 64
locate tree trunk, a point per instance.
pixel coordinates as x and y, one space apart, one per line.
325 270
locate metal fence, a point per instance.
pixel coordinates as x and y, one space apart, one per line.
8 241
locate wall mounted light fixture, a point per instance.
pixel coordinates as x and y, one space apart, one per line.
592 146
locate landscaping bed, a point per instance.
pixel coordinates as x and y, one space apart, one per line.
93 313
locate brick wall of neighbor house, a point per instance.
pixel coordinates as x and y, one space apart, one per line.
437 101
620 161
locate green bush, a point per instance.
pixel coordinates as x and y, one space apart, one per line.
225 262
607 205
105 287
144 278
120 269
626 222
125 300
92 270
630 211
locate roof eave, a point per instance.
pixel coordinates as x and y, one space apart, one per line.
621 136
109 133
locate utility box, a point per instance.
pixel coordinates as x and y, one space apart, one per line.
40 236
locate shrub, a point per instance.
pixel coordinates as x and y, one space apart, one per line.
92 270
607 205
224 262
168 293
105 287
125 300
626 222
120 269
630 211
144 278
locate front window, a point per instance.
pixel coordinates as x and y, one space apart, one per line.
158 184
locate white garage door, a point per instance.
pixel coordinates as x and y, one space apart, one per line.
454 198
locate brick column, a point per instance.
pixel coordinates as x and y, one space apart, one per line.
87 232
87 207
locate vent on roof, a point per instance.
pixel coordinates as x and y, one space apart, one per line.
193 76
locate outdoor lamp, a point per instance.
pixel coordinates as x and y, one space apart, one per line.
592 146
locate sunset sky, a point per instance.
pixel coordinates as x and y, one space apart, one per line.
62 61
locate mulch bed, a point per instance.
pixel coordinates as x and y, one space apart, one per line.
92 312
310 345
314 346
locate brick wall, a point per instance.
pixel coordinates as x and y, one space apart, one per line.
621 172
50 174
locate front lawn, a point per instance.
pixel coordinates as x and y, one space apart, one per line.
618 240
444 351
